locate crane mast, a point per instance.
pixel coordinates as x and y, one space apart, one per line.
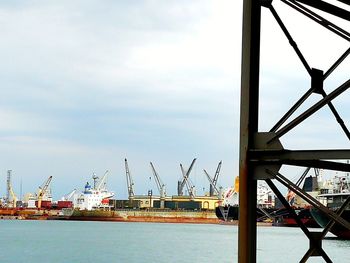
129 181
181 184
42 191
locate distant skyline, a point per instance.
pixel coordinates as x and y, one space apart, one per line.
87 84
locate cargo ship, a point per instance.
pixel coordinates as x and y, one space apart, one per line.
333 197
141 215
95 203
228 211
312 185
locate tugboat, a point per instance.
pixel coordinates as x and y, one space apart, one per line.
333 197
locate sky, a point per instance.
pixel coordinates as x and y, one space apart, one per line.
86 84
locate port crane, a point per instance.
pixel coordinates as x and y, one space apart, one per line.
213 181
69 196
186 181
160 185
43 190
181 184
11 197
102 183
129 181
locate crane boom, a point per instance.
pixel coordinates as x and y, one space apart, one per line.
102 182
42 190
160 185
212 185
129 180
185 175
214 179
190 187
216 176
69 196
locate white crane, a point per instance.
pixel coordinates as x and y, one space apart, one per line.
69 196
102 183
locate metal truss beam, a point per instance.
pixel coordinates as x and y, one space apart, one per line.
328 8
248 127
262 153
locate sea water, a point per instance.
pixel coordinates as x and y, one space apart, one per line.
107 242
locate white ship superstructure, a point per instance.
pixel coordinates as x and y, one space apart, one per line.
94 197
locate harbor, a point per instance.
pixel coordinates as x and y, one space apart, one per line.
257 89
97 203
220 206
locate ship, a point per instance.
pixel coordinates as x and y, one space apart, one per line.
95 203
228 211
336 192
141 215
312 185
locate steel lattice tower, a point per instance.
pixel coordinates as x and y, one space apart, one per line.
261 152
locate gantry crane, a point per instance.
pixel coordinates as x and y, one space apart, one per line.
129 181
213 181
42 191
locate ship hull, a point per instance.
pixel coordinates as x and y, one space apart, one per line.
338 230
227 213
134 215
284 218
231 213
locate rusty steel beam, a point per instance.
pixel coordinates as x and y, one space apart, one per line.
248 127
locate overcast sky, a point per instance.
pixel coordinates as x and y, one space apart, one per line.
85 84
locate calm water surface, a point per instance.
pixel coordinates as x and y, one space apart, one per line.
102 242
